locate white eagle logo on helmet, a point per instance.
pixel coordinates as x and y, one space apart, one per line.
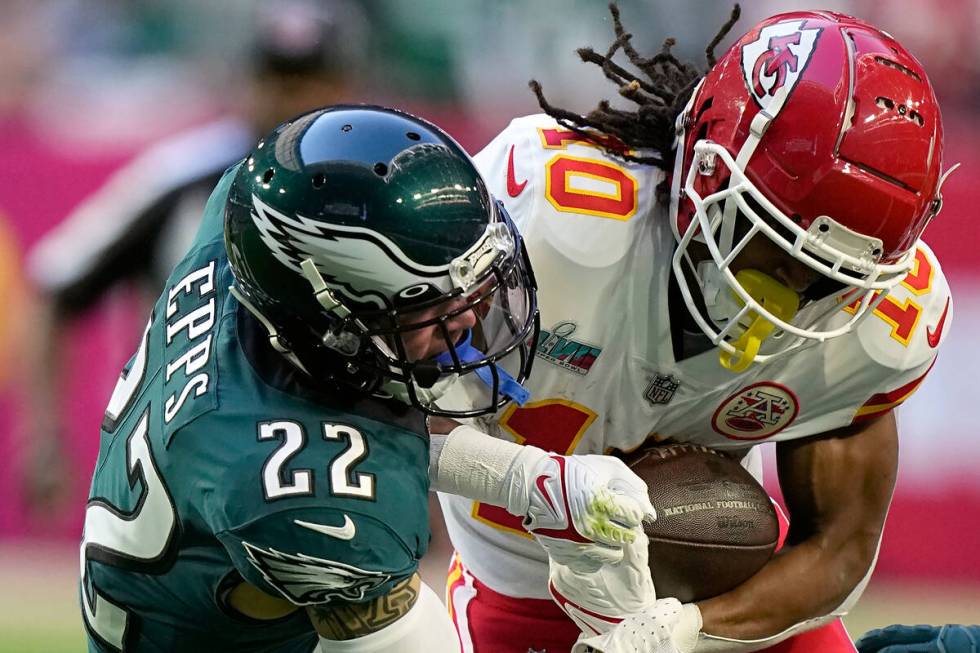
359 263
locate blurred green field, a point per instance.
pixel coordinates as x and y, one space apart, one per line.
40 614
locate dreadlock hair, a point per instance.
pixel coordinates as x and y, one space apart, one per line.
660 97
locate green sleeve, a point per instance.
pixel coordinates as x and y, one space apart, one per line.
283 554
312 543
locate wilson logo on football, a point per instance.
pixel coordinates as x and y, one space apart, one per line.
776 60
759 411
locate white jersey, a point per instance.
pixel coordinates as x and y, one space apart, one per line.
606 377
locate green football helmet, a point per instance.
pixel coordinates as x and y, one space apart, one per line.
367 244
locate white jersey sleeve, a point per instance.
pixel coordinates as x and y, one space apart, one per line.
902 338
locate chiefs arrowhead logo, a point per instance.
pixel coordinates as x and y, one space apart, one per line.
756 412
775 61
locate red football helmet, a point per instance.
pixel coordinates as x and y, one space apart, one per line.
822 133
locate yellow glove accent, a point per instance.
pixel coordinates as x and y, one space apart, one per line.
598 524
776 298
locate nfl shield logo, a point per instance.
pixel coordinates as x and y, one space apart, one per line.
661 390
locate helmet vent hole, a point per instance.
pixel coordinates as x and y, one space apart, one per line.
903 110
346 128
319 179
899 67
412 136
268 175
380 169
704 107
824 227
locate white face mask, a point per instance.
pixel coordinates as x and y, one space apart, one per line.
719 302
736 319
731 307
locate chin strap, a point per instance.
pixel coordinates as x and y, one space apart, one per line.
467 353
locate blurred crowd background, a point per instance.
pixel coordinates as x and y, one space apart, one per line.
87 86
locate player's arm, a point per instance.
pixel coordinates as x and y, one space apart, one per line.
582 509
346 621
837 488
409 618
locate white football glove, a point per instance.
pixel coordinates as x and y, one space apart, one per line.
617 610
667 626
583 509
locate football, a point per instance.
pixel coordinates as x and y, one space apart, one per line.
715 527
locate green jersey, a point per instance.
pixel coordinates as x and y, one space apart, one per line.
219 463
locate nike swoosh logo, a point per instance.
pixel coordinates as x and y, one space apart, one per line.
539 481
933 335
513 188
345 532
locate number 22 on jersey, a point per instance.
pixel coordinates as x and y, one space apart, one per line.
554 425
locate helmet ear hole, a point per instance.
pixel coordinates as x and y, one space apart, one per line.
319 179
268 175
380 169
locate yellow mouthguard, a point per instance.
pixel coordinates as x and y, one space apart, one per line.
776 298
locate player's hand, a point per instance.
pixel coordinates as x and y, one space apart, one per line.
951 638
582 509
597 601
617 609
667 626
